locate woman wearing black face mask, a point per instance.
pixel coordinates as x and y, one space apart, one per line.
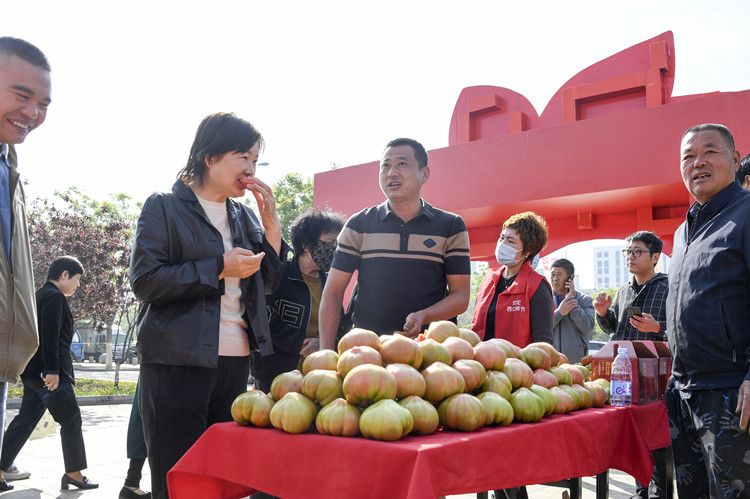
293 307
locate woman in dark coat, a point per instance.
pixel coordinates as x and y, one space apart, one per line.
198 266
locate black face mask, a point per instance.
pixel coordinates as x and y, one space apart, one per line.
322 255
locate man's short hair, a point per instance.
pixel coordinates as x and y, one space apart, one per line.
652 242
564 264
723 130
419 151
310 224
24 50
532 229
743 170
63 263
218 134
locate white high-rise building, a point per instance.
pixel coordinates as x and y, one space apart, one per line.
610 270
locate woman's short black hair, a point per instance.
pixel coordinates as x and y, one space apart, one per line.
309 225
63 263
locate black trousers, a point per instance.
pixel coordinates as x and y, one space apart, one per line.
657 488
64 409
178 404
136 444
710 450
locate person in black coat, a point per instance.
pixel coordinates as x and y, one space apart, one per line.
198 266
293 306
48 378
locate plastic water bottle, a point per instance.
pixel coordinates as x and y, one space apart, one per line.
621 385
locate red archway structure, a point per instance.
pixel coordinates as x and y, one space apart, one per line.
601 161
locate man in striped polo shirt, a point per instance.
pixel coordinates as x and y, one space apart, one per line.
412 258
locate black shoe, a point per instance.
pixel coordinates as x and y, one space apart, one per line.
83 484
5 486
134 493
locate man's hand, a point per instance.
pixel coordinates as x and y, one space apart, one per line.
241 262
571 287
645 324
52 381
310 345
743 404
602 302
413 324
567 305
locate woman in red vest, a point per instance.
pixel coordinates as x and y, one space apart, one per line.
514 301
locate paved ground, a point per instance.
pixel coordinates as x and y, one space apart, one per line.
104 428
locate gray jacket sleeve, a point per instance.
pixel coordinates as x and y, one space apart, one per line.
583 315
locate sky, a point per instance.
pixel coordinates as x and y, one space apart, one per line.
325 82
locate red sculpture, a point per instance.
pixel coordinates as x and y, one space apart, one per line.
602 160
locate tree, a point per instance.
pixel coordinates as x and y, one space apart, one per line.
99 234
127 320
480 270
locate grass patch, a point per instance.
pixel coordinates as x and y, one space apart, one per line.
84 387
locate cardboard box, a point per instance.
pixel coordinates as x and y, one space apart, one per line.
661 349
645 362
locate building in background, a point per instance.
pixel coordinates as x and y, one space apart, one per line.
610 270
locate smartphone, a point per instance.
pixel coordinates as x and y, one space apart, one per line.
570 280
634 311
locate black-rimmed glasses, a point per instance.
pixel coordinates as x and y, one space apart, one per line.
633 252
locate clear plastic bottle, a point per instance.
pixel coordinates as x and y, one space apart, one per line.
621 385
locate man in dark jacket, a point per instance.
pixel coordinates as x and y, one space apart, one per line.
708 396
647 291
48 378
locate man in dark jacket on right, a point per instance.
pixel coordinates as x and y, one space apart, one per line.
647 291
708 396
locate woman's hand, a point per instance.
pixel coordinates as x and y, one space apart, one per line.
241 263
267 208
52 381
266 203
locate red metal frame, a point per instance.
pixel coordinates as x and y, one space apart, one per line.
601 161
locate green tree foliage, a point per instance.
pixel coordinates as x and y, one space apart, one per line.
480 270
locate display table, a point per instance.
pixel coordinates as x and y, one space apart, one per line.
232 461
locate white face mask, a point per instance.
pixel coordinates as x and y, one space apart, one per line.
506 255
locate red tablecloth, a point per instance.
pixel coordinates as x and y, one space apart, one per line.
229 460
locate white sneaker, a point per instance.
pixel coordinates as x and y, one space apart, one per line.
13 473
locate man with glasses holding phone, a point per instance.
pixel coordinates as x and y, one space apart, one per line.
645 296
639 312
